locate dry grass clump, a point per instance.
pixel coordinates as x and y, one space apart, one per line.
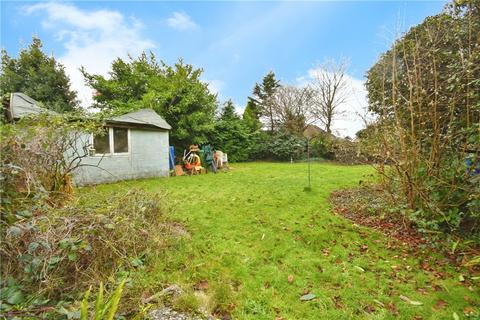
62 250
39 154
55 244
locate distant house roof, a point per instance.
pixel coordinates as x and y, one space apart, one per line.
312 131
22 105
142 117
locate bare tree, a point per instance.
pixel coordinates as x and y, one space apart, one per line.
292 108
331 89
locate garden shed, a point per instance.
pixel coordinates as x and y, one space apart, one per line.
134 145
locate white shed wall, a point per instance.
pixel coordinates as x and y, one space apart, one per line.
148 157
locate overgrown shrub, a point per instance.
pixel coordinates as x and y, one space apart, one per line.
425 92
281 146
338 149
54 244
51 253
322 147
39 154
349 152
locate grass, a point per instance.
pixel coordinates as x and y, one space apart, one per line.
255 226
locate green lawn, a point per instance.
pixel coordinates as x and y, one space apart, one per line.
255 226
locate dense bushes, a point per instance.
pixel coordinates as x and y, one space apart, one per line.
232 135
38 156
243 146
236 137
52 253
243 142
280 147
283 146
425 92
56 244
232 139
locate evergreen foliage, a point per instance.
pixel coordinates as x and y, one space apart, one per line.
262 100
175 92
251 116
231 134
38 76
425 92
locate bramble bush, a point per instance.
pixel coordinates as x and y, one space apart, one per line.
39 154
56 244
50 254
425 92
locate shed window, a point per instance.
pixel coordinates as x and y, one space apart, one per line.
120 140
111 141
101 142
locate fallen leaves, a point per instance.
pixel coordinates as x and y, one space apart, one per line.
290 279
392 308
350 256
440 304
469 311
395 268
412 302
202 285
346 204
369 308
423 291
337 301
363 248
223 315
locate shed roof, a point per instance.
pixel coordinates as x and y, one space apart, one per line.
142 117
22 105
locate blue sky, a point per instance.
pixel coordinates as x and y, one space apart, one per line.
236 43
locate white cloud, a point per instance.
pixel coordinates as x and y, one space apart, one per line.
92 39
239 109
215 86
353 109
181 21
